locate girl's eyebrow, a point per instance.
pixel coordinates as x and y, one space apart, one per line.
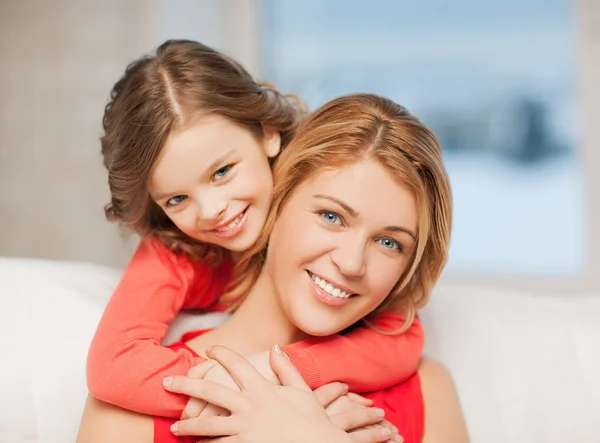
355 214
218 161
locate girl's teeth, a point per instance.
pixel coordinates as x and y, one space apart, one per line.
329 288
231 225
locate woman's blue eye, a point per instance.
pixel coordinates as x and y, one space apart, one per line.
388 243
331 217
175 200
222 172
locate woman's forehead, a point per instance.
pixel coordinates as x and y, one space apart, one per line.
367 188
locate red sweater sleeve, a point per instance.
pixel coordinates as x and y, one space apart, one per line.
365 359
126 362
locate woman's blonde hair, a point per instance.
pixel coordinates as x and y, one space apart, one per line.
349 130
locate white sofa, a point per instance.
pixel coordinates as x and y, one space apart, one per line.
527 366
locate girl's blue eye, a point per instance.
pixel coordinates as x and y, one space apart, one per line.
175 200
222 172
331 217
388 243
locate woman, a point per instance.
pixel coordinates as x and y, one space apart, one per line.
359 224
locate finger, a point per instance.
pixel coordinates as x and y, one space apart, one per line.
199 371
396 437
193 408
228 439
360 399
389 425
372 434
330 392
212 410
206 390
208 427
285 370
355 418
240 369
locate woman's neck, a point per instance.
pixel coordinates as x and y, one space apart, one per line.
257 324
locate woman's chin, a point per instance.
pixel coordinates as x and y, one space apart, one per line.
318 328
315 321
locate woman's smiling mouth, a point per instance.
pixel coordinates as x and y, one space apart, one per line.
330 292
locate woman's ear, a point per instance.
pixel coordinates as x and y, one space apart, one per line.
271 142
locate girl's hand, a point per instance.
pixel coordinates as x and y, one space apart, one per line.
364 423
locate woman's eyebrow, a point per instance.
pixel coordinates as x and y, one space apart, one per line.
354 214
344 205
401 229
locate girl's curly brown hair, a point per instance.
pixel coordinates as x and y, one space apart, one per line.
163 92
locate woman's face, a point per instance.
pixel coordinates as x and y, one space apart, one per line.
339 246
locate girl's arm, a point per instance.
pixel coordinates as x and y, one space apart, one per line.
126 362
364 359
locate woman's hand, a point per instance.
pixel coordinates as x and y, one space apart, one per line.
212 371
261 412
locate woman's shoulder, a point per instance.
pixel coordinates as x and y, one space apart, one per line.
434 372
443 414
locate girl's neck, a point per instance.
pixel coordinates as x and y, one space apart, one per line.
257 324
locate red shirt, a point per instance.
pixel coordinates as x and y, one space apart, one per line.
403 405
126 361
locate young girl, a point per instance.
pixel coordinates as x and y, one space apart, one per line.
189 138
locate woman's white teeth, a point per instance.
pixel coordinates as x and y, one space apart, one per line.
329 288
232 224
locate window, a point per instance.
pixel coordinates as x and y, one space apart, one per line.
494 80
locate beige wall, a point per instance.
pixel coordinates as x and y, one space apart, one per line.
59 60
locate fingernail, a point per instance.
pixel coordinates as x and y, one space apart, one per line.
386 432
167 381
280 352
208 348
380 412
345 387
174 427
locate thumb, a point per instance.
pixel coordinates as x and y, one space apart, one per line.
285 369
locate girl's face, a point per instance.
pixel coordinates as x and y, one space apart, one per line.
214 181
340 245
